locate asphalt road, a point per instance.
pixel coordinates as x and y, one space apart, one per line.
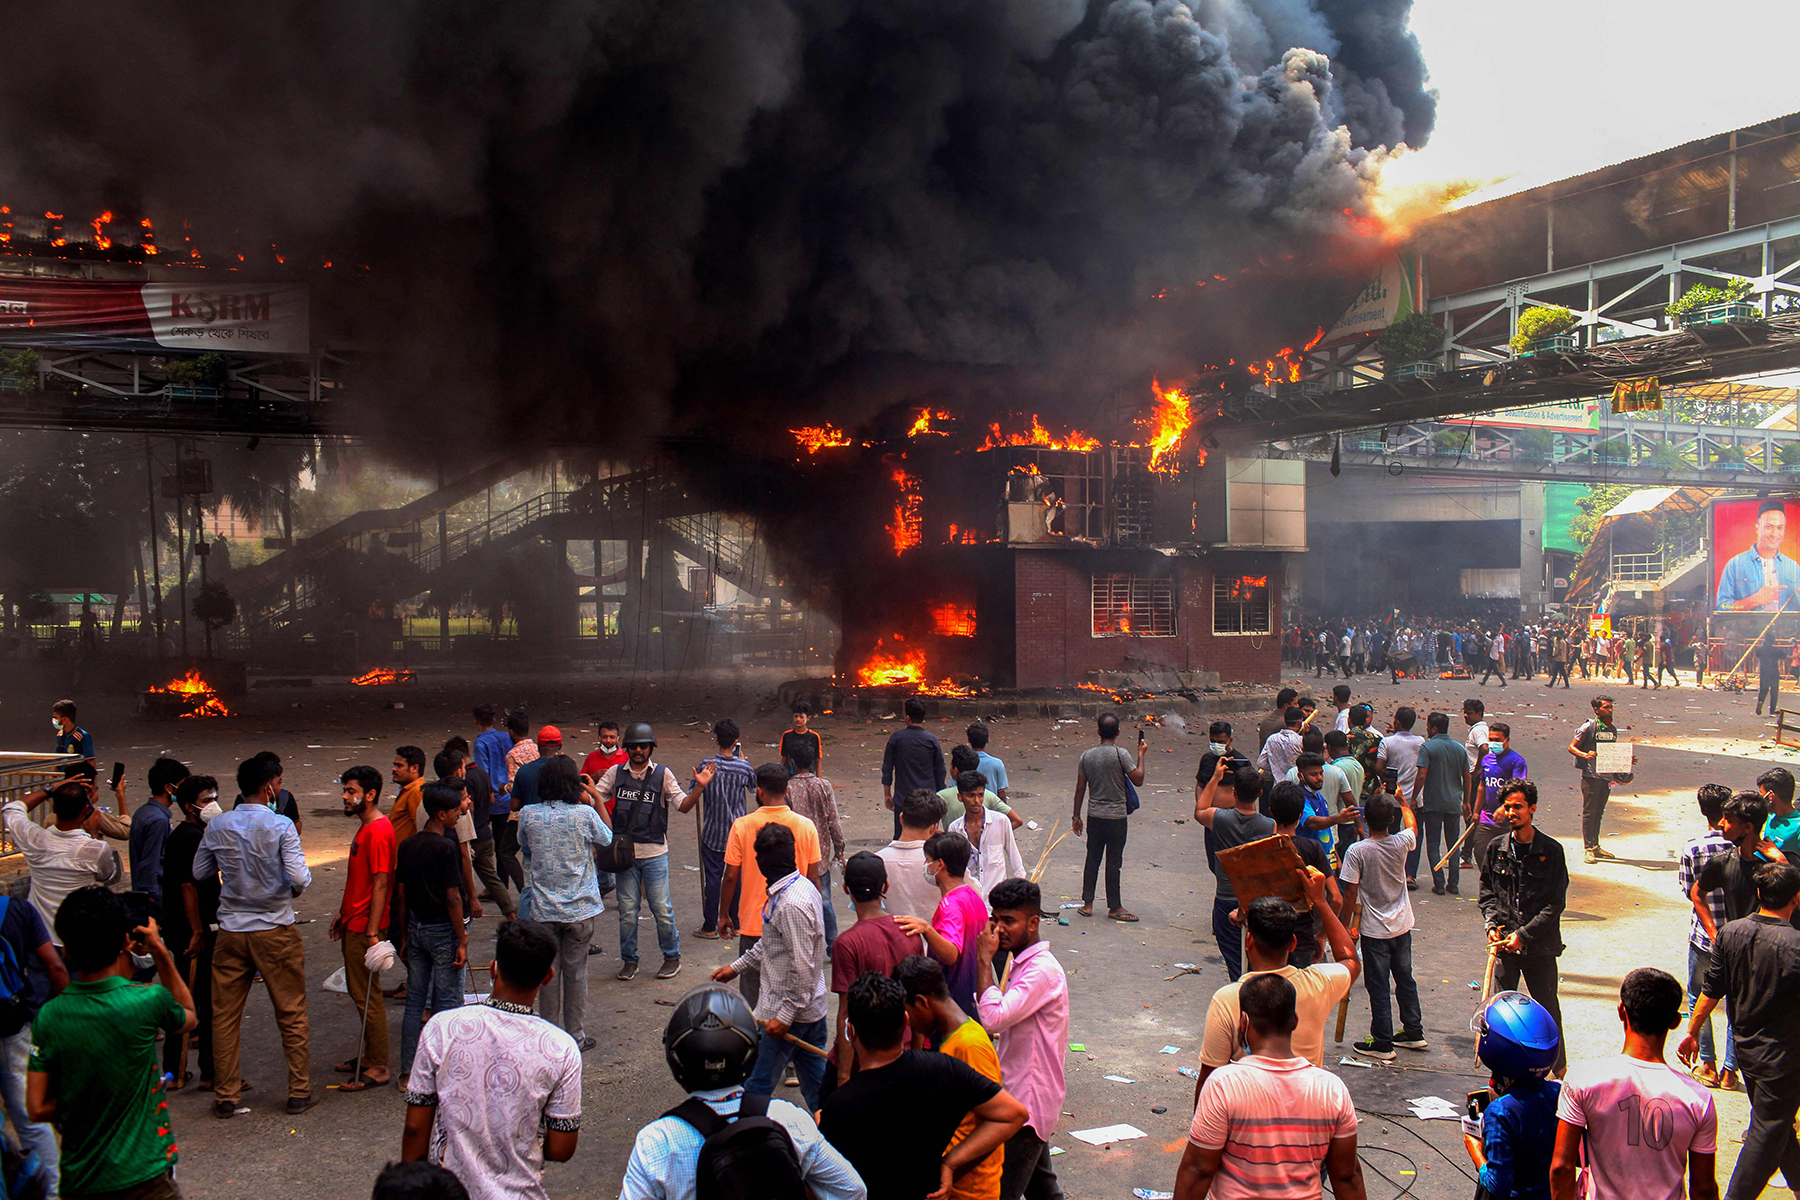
1125 1009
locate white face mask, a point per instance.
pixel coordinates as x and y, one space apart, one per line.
56 724
142 962
1216 747
930 875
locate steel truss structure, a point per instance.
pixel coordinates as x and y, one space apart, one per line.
1622 333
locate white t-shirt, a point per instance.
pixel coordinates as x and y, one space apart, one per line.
1342 724
1377 866
1401 752
1317 990
909 893
1642 1121
1476 744
497 1079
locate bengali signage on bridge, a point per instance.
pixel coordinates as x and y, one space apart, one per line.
217 314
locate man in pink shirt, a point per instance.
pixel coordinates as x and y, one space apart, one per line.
1638 1126
1266 1122
1029 1021
961 916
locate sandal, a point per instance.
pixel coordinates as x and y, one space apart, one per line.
1086 910
1119 914
362 1083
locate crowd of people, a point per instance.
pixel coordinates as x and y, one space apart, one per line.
926 1034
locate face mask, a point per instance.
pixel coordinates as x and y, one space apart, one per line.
1216 747
56 724
142 962
1496 749
930 875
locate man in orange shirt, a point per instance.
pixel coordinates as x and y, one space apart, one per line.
931 1011
409 777
742 874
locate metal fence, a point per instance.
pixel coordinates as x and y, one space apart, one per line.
21 773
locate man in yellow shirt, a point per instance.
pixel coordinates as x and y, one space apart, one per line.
932 1014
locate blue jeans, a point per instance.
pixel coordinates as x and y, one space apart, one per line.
772 1055
35 1135
1698 961
1380 957
649 880
431 979
830 911
712 878
1231 938
1447 827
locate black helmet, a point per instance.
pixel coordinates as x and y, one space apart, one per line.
711 1040
638 733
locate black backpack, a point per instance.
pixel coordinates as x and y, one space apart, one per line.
748 1157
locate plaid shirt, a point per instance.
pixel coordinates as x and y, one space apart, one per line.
730 795
813 799
790 954
1693 857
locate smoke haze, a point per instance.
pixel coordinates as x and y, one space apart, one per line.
632 217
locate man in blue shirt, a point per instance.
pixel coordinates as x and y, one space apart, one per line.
1762 578
261 868
490 748
70 737
725 787
992 769
151 825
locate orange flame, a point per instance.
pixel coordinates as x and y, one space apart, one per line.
1037 435
1167 424
382 676
923 424
907 528
903 664
1105 691
101 241
953 619
203 701
814 438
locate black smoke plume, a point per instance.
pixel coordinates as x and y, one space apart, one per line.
558 220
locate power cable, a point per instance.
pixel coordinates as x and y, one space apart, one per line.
1399 1122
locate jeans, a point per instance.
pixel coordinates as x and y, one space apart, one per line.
431 978
648 880
1025 1171
1770 1141
1595 792
1539 973
1105 835
773 1055
35 1135
831 926
1447 827
564 1001
1230 937
712 879
1698 961
1382 956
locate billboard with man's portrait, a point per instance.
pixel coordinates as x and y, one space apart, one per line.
1756 555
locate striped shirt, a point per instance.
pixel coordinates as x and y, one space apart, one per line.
730 795
790 953
1693 857
1274 1118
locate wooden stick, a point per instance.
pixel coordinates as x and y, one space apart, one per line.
1756 641
1487 988
800 1042
1344 1005
1045 856
1467 830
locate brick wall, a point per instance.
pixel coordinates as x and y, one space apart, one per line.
1055 645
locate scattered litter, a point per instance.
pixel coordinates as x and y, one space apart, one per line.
1159 1109
1170 1050
1028 824
686 867
667 1003
1072 903
1118 1079
1354 1062
1061 920
1190 1072
1147 1194
1055 1150
1107 1134
1434 1108
1078 1047
336 982
1180 970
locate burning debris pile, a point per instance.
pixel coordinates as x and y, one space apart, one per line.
189 697
383 677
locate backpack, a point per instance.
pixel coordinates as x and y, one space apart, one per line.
14 1015
748 1157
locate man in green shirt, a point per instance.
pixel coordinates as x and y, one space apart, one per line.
94 1069
1439 789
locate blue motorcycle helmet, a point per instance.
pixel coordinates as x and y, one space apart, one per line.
1516 1038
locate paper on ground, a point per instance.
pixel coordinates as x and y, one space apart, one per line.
1118 1079
1109 1133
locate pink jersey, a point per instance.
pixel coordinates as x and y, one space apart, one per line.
1642 1121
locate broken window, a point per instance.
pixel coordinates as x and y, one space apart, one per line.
1241 604
1133 604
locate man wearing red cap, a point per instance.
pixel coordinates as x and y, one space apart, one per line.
525 776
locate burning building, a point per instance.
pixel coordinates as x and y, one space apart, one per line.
1024 557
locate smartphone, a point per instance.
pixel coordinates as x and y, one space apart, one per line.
140 905
118 773
1140 733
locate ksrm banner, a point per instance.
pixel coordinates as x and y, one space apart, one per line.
245 318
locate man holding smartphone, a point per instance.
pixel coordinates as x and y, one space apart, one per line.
151 824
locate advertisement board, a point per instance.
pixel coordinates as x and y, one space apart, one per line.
1398 290
224 315
1572 415
1754 547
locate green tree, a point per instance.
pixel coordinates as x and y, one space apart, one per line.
1600 498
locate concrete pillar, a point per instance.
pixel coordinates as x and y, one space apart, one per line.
1532 593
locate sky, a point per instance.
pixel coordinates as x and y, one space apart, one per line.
1538 90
